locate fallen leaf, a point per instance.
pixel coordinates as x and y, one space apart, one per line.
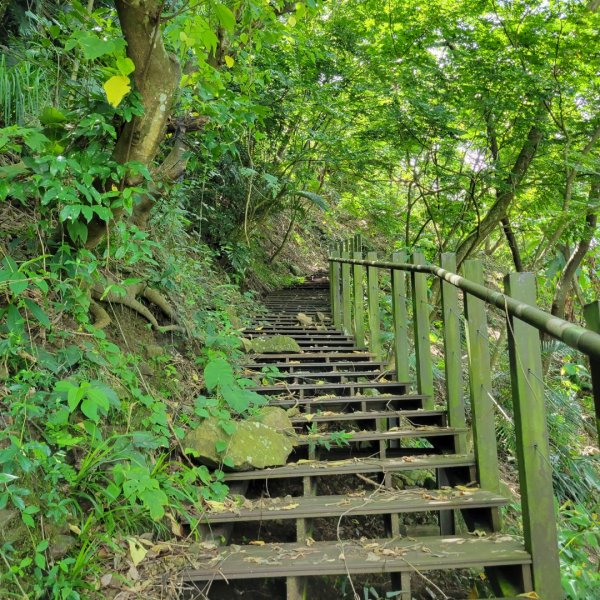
136 551
106 579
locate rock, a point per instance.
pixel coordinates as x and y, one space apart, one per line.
276 343
274 417
12 529
146 369
253 445
154 351
304 319
60 545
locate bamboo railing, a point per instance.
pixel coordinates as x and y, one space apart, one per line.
347 266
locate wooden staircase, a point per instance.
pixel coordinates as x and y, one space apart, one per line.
395 500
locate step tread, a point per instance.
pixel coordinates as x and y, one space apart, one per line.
335 399
326 386
326 355
359 415
355 557
316 375
352 466
359 503
391 434
283 365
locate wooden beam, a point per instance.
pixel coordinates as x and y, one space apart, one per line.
359 301
346 294
373 306
452 352
400 318
421 328
533 449
480 383
336 295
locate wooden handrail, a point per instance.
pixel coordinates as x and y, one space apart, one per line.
573 335
524 322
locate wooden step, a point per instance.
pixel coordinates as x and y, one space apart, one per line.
391 401
326 376
300 336
360 503
324 468
358 437
420 416
325 357
335 367
396 555
320 389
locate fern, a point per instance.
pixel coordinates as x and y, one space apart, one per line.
23 92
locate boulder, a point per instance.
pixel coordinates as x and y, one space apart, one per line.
304 319
274 417
276 344
253 445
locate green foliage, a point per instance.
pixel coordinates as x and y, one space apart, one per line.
579 539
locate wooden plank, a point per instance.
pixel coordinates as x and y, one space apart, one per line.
533 449
336 295
421 331
372 503
351 385
400 317
369 436
480 383
452 351
359 301
354 466
346 296
353 557
373 306
592 317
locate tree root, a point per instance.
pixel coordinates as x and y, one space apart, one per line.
130 299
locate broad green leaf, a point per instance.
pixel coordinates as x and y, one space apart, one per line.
51 116
125 65
236 398
218 372
37 312
116 88
225 16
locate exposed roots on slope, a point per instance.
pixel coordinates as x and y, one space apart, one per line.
101 293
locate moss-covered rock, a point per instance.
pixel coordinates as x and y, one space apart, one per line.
274 417
275 344
253 445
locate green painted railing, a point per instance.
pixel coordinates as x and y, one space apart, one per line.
525 321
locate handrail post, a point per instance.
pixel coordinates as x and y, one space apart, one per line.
373 306
346 292
359 302
452 353
480 383
336 296
533 450
400 316
591 313
421 329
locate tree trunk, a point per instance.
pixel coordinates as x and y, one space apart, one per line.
505 196
512 244
156 77
565 282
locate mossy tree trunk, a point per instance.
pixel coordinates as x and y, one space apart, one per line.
157 75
